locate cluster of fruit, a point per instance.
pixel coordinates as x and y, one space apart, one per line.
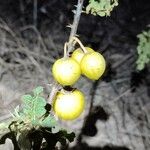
68 105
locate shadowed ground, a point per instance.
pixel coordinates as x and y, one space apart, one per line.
119 102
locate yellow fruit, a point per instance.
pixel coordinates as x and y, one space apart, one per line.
93 65
78 53
69 105
66 71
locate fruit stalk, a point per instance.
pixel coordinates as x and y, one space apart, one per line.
79 42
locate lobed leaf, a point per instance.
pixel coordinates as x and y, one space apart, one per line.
143 50
101 7
48 122
38 90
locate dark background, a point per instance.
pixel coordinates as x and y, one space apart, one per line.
127 20
115 37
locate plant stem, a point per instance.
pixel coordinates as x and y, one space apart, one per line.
75 24
74 27
54 90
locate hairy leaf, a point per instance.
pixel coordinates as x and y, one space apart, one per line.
48 122
143 50
101 7
38 90
34 109
27 99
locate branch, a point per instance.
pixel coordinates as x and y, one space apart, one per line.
76 19
73 32
74 26
53 92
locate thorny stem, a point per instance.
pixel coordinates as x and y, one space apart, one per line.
75 24
73 32
53 92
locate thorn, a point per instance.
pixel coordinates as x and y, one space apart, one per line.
76 35
69 26
74 11
49 85
43 10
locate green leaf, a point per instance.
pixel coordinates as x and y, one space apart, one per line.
33 112
27 99
48 122
101 7
38 90
143 50
33 107
36 108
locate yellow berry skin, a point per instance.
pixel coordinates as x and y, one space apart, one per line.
66 71
93 65
69 105
78 53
